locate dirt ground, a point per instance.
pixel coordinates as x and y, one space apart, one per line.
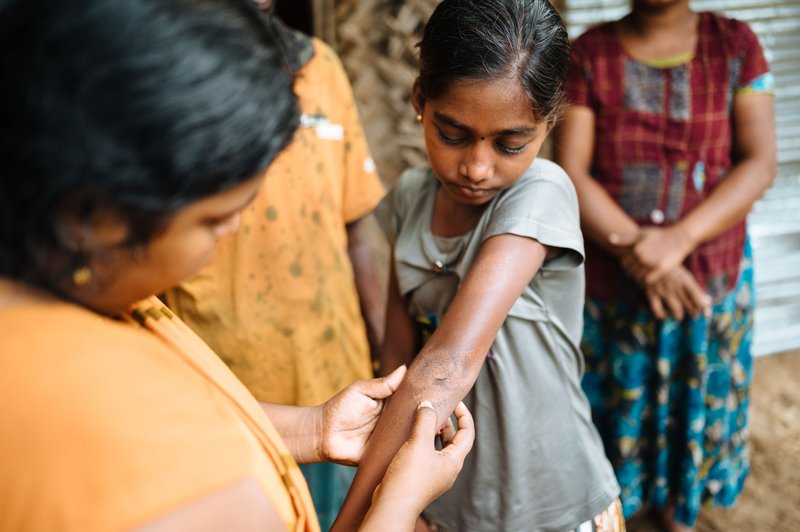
771 497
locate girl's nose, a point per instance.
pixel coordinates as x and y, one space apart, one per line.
478 164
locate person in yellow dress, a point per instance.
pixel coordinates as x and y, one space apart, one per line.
290 301
133 134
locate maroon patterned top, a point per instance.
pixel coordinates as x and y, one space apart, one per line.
663 139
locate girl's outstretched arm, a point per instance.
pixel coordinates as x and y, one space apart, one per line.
447 367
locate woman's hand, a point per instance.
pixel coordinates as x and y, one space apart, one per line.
651 252
350 416
418 473
678 293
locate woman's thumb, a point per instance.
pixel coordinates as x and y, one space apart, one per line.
425 422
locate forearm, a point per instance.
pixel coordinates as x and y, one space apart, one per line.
729 202
300 428
601 216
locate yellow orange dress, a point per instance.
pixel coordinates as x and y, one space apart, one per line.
279 302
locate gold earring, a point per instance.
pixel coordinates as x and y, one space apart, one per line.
419 118
81 276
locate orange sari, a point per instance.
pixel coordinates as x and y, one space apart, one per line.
153 315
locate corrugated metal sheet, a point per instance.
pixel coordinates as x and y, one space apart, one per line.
775 220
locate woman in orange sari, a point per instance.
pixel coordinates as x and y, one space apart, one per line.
132 134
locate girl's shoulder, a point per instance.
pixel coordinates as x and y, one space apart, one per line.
735 36
543 172
415 178
412 185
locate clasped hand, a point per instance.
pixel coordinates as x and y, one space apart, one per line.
651 252
653 256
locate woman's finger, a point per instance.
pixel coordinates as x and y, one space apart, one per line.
461 444
382 387
675 307
656 306
425 425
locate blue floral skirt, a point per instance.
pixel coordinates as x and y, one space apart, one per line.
670 399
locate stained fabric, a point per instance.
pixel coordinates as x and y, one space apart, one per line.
278 302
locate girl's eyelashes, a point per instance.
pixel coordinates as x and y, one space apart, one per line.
455 141
449 140
511 150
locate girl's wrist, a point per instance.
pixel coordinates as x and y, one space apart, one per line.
688 236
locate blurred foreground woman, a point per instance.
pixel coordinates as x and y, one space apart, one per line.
132 134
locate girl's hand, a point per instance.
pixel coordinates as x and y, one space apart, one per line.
652 252
350 416
678 293
418 473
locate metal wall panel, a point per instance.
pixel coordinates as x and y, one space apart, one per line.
775 220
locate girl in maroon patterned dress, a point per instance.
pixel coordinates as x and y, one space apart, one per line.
669 141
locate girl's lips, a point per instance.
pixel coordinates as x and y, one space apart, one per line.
470 192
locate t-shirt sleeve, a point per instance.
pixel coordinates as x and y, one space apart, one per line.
754 73
362 185
542 205
114 439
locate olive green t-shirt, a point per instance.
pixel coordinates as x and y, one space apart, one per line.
538 462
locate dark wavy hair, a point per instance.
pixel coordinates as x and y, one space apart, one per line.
142 106
484 39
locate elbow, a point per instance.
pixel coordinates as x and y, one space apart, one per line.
442 375
770 171
764 169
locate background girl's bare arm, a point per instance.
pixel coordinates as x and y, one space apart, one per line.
573 147
399 344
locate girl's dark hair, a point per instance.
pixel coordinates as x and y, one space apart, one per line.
141 106
484 39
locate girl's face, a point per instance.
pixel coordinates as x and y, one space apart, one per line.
181 250
480 137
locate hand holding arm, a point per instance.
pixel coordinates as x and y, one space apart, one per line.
418 473
337 430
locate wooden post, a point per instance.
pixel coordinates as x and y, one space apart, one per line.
325 21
